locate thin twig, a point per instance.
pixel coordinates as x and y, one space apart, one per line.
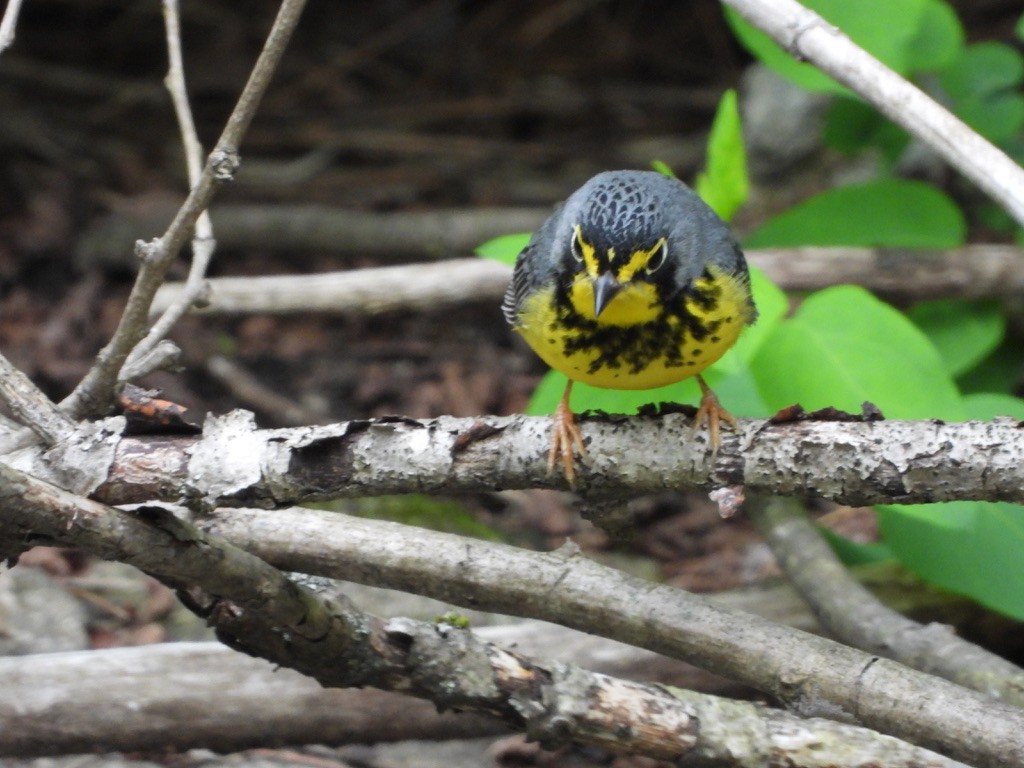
8 24
852 614
203 244
811 38
96 391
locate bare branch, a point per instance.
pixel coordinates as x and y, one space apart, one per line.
256 609
854 615
385 236
95 392
974 271
124 698
30 406
165 355
857 463
414 287
145 699
808 37
203 244
9 23
811 675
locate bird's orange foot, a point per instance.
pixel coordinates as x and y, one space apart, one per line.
712 413
565 439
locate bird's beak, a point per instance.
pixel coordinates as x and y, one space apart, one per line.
606 287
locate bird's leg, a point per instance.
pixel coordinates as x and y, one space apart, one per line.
565 436
713 414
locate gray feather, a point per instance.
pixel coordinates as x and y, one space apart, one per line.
628 210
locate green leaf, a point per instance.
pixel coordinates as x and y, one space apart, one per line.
737 391
854 552
964 332
998 372
772 305
984 406
884 213
969 547
887 29
1019 28
939 38
983 68
997 117
587 398
663 168
844 347
983 82
504 248
723 185
417 510
852 125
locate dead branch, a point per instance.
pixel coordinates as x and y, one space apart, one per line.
96 391
852 614
258 610
138 699
589 597
31 407
810 38
123 698
415 287
203 244
427 234
856 463
9 23
974 271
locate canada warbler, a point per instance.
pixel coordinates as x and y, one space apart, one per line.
632 283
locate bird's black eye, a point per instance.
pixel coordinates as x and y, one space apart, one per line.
577 243
658 256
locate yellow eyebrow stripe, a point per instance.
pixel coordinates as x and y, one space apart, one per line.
589 254
637 260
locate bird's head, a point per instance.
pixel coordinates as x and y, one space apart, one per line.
616 271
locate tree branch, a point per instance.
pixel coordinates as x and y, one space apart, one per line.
811 675
856 463
257 610
203 243
974 271
9 23
385 236
31 408
808 37
852 614
140 700
95 392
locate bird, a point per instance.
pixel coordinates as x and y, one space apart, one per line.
632 283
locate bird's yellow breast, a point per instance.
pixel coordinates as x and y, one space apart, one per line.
637 342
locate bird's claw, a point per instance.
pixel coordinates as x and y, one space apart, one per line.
712 413
566 441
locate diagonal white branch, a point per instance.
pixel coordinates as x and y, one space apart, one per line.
810 38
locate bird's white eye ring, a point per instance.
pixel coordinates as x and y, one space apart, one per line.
658 256
577 243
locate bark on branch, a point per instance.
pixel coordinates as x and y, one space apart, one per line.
852 462
852 614
259 611
975 271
